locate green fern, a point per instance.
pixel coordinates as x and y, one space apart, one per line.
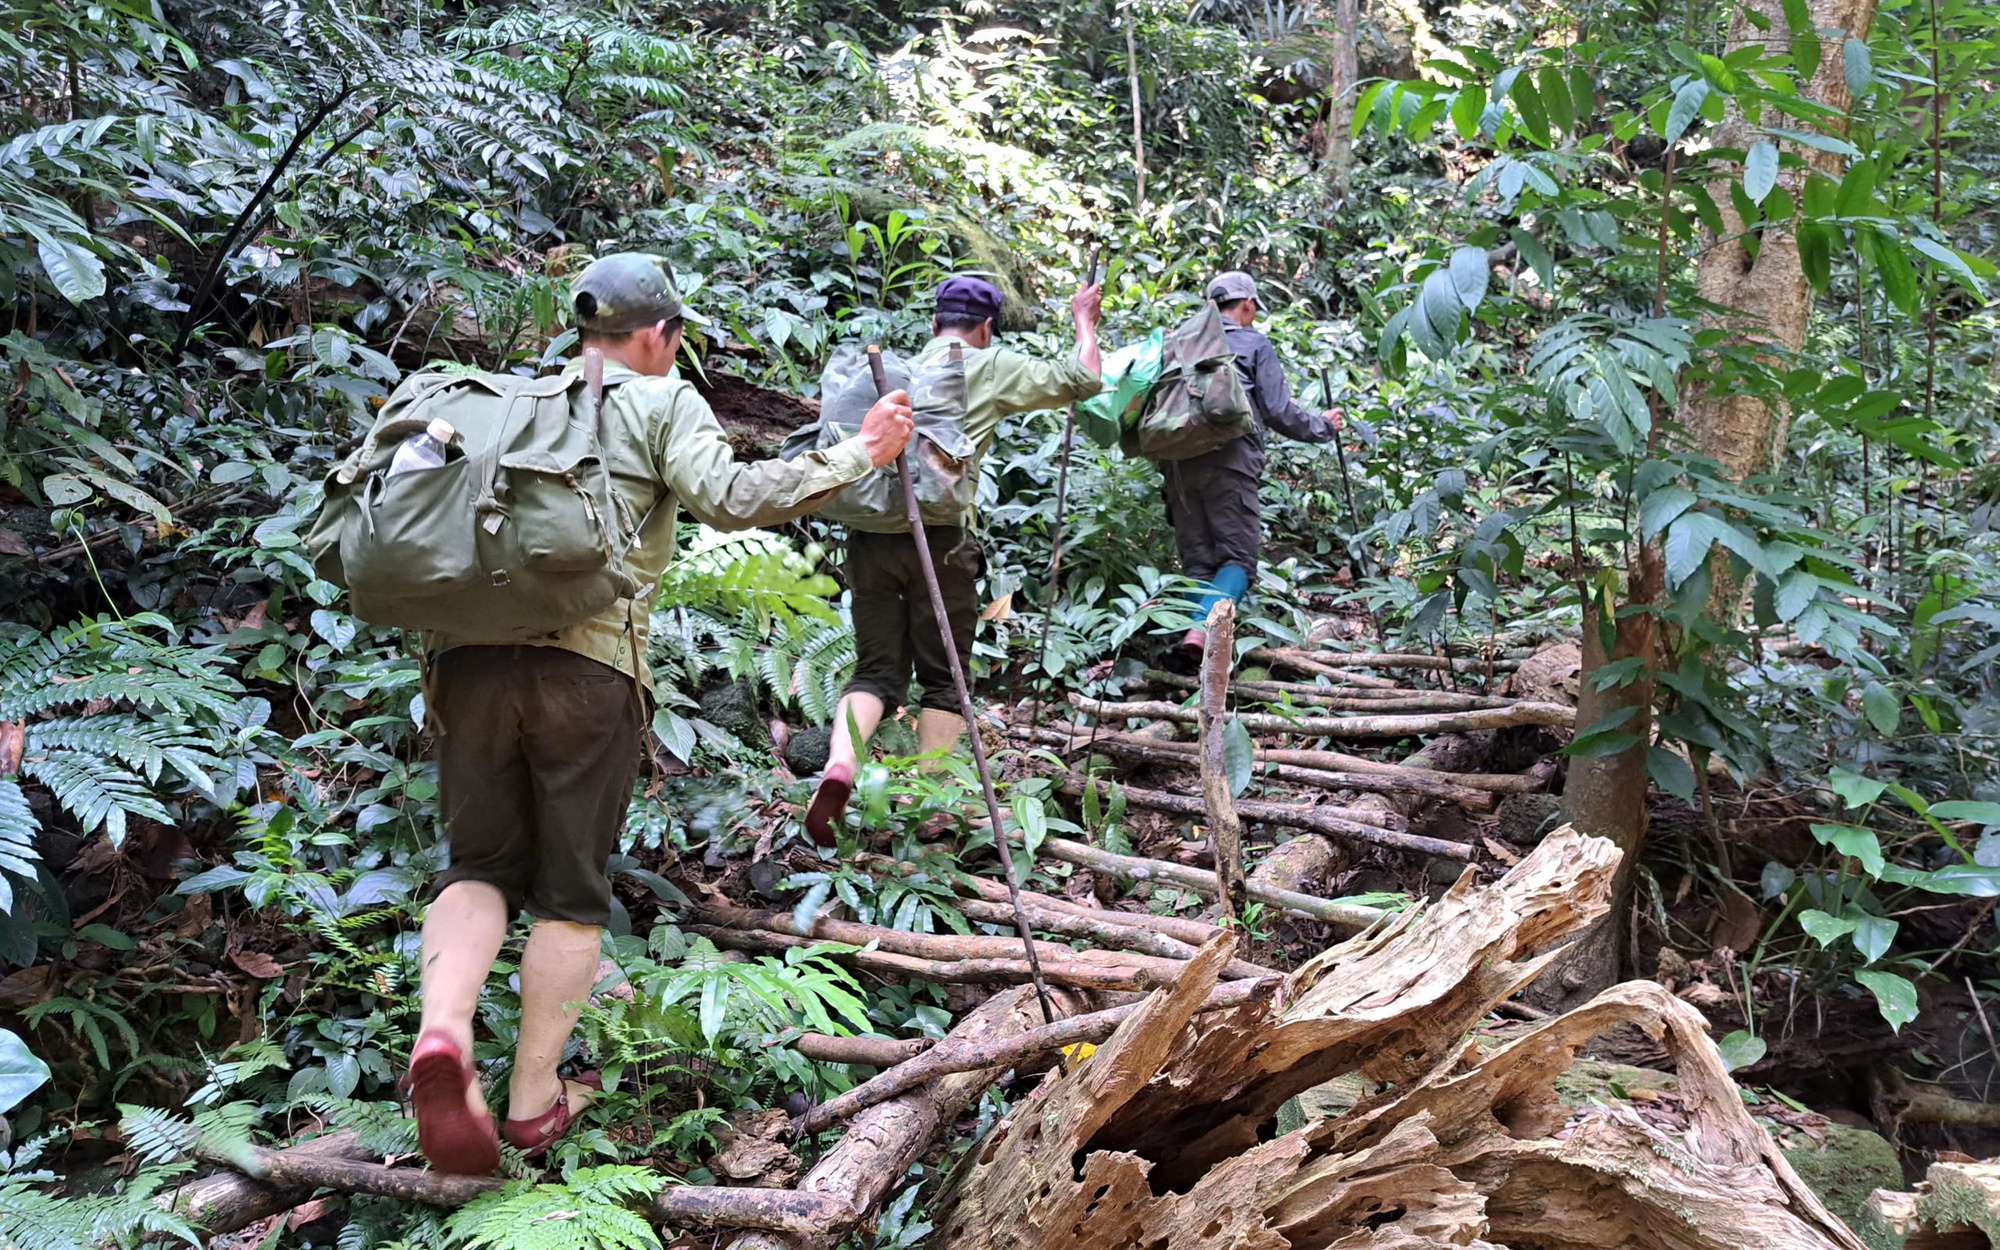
31 1219
592 1210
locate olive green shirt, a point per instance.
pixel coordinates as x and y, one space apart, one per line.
1001 382
667 452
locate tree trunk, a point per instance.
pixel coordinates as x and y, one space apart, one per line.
1606 796
1225 831
1338 151
1766 296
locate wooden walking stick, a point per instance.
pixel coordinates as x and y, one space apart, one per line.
1355 555
1055 554
966 709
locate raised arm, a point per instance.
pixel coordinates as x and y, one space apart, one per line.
696 461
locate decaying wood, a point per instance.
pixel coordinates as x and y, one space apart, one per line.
229 1200
881 1143
680 1206
1300 864
1157 1138
1194 933
1318 820
1337 660
1202 882
1100 932
1391 726
1218 804
867 1052
1085 975
1343 699
1304 662
1955 1207
1010 1051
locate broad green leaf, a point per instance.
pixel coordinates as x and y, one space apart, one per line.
1554 92
1760 170
1856 195
1364 106
1823 928
1857 66
1467 109
1882 707
1795 593
1671 772
336 628
1686 107
1469 275
64 489
1895 996
1659 509
1528 103
21 1072
1689 539
1872 934
1238 755
1816 254
1951 260
1777 879
1537 256
1816 141
1854 789
1855 842
75 272
1582 92
1033 821
1741 1049
1961 809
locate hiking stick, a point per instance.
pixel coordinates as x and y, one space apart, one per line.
1055 553
966 710
1355 556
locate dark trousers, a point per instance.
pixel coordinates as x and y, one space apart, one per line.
1217 517
895 626
538 751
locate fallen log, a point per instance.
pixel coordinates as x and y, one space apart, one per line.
865 1052
1018 1049
1955 1207
1194 933
1218 804
1314 819
680 1206
1305 662
226 1201
1102 932
1134 868
1075 975
1358 699
1553 714
881 1143
1177 754
937 947
1399 659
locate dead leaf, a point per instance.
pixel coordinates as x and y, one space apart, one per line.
1000 609
22 990
1500 852
14 545
1740 922
258 965
13 745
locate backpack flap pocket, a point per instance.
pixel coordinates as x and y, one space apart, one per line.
409 536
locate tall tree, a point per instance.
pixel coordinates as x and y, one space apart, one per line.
1338 151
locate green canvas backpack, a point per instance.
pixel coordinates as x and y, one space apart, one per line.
942 469
1199 402
518 533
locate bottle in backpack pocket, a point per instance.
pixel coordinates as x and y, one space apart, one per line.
424 451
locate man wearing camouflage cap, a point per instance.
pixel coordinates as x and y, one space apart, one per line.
1212 499
539 743
895 629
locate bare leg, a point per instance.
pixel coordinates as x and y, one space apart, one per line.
865 712
557 970
938 730
462 935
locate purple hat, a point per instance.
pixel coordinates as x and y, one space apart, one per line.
968 297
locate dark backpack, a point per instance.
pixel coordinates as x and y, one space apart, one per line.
1199 401
940 455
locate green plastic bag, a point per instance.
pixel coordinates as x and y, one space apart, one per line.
1129 374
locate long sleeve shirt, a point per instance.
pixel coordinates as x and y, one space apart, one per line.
667 452
1001 382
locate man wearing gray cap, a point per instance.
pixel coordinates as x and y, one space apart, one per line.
539 742
1212 498
895 632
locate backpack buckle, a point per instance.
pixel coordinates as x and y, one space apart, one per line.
499 577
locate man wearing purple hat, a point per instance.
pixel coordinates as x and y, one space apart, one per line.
895 630
1212 499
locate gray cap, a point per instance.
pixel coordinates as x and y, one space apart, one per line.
1235 284
627 291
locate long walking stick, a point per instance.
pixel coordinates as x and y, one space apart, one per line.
1056 551
1355 555
966 709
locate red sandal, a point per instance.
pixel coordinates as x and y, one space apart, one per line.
533 1136
829 802
452 1138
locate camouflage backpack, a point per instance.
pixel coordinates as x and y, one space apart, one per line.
940 455
1199 402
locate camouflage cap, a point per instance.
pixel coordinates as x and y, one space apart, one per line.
627 291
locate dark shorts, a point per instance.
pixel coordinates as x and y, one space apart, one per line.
1217 517
895 627
538 749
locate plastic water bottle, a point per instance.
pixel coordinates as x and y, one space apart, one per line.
425 450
